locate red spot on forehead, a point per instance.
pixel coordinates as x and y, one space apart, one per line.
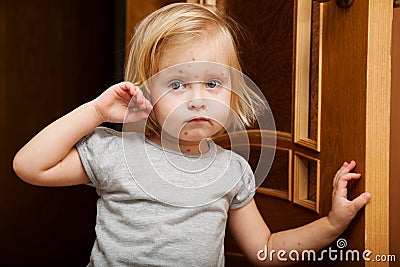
193 59
188 150
180 71
185 133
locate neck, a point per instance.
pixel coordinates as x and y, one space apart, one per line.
183 146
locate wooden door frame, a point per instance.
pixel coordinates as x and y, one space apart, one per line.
356 86
395 139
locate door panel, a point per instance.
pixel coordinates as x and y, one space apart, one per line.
267 51
292 188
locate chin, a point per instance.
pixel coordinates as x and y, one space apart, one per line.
197 135
192 138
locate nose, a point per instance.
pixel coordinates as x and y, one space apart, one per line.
196 104
196 100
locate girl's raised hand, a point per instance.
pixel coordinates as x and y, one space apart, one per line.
344 210
115 105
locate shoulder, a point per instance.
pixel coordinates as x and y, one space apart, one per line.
101 133
104 132
103 139
98 141
101 152
105 135
234 156
241 171
236 161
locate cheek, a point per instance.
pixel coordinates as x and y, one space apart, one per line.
157 111
160 112
225 100
219 110
170 115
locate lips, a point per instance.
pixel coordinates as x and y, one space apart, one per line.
198 120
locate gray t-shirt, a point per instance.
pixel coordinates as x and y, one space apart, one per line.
135 228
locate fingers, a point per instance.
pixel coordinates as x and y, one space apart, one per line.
349 166
349 176
342 177
135 116
141 101
344 210
137 96
127 87
346 168
341 188
361 201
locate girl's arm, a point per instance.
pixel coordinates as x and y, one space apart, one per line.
252 234
50 158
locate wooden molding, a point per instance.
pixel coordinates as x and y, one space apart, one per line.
395 138
278 193
302 78
378 126
273 192
301 181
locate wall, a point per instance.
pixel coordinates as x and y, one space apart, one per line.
54 55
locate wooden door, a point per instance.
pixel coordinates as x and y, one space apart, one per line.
338 103
325 71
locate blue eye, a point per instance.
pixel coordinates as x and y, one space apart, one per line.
176 85
213 84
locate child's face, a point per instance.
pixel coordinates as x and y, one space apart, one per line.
191 93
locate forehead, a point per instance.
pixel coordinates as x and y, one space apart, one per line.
202 48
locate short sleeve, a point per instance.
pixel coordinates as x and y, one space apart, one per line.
97 151
246 186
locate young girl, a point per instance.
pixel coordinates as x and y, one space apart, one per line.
139 226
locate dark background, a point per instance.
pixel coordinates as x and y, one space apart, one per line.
54 56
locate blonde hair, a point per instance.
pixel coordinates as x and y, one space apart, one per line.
177 24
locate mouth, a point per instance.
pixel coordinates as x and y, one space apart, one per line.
198 120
